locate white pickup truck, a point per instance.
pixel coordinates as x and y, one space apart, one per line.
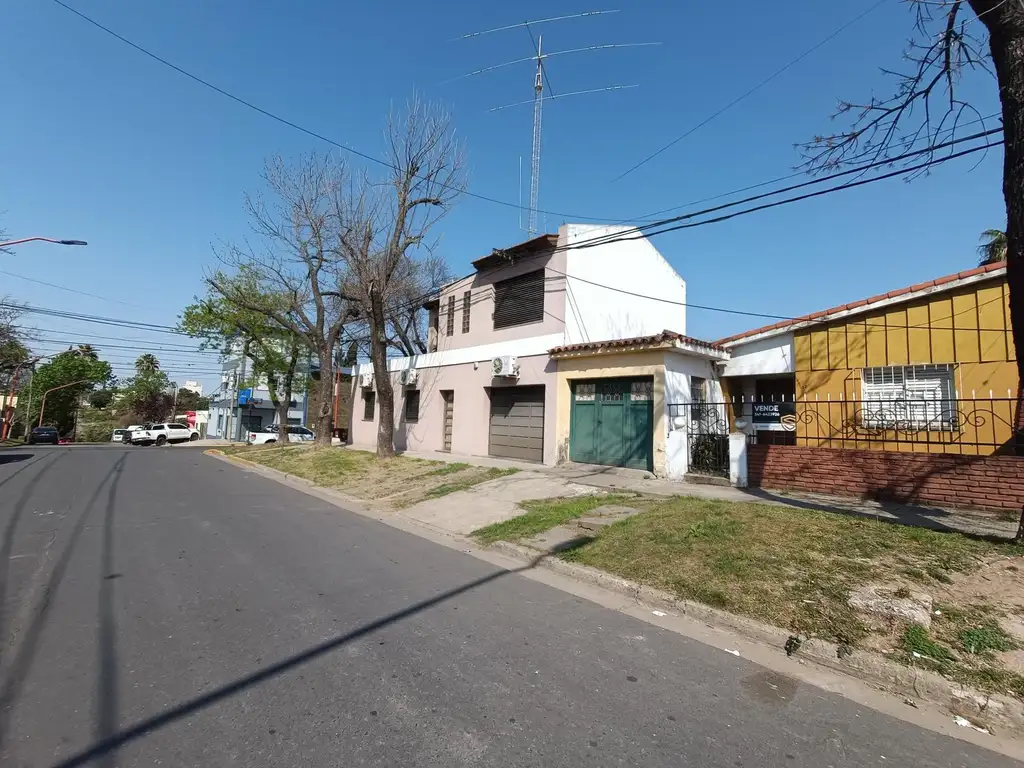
296 434
160 434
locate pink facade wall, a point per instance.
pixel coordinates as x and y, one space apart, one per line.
472 407
481 284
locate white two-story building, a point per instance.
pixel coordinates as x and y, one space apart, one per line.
509 348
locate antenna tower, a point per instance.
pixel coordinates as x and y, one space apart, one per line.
539 81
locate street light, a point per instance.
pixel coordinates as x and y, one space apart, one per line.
44 239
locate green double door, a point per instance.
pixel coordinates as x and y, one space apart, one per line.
612 422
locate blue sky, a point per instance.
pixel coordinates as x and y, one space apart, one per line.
104 144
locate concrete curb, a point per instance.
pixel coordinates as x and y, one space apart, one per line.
996 712
992 711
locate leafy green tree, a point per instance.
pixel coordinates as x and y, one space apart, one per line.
81 372
993 247
191 401
13 350
273 350
101 398
147 364
145 395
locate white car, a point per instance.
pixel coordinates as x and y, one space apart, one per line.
296 434
159 434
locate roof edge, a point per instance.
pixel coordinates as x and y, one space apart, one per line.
899 296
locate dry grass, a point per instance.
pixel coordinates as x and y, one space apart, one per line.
546 514
397 482
794 568
789 567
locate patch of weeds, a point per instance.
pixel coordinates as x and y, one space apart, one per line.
701 592
541 516
901 593
985 638
914 573
917 640
448 469
714 527
939 575
466 483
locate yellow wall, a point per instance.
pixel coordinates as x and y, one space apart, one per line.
968 326
612 366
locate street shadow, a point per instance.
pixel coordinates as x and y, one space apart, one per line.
10 458
6 547
107 702
108 745
23 467
571 545
29 644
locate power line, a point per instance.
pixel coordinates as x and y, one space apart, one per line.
753 90
905 144
69 290
847 185
283 120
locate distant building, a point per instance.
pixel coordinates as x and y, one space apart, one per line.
195 386
235 409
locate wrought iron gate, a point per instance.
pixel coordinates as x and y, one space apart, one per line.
707 436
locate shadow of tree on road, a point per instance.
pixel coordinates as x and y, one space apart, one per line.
108 745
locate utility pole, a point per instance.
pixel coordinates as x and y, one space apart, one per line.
538 108
238 387
540 80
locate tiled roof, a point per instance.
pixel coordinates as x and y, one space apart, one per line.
908 291
637 341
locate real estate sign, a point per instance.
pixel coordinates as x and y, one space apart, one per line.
775 416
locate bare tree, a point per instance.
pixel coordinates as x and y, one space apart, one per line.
407 318
951 38
296 279
385 231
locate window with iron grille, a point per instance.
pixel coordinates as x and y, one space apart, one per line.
412 405
450 329
519 300
465 311
369 401
919 397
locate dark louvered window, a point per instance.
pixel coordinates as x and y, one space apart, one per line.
369 401
450 328
466 301
412 405
519 300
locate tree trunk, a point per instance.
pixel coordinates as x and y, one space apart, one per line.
286 401
381 376
325 395
1006 39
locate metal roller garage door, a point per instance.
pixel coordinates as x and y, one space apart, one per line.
517 423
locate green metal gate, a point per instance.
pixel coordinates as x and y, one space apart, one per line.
612 422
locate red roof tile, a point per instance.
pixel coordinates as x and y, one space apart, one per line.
637 341
865 302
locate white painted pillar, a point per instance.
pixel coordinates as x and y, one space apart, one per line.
738 459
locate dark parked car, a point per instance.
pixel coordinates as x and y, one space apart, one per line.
43 435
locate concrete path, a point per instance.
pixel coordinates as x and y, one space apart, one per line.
161 607
492 502
616 479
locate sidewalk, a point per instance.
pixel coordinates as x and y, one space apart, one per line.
568 477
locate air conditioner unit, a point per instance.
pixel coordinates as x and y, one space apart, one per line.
366 380
410 376
506 365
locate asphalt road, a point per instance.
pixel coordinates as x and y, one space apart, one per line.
161 607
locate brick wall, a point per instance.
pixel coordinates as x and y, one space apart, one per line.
986 482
